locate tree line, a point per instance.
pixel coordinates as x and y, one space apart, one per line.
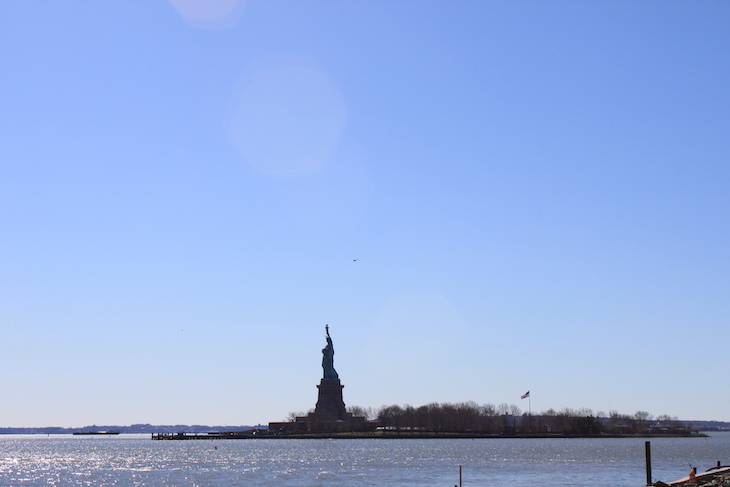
470 417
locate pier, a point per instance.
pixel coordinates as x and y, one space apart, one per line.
222 435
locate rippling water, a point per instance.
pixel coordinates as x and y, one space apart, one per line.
131 460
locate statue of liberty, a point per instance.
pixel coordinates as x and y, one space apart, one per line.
328 358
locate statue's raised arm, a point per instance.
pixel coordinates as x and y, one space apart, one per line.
328 358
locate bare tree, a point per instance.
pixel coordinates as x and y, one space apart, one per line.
366 413
641 419
508 419
294 415
642 416
391 416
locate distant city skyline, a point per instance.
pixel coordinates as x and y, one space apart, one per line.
480 199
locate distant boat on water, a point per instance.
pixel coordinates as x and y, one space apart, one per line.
110 432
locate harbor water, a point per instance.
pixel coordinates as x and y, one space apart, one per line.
135 460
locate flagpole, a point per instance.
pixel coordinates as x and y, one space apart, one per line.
529 407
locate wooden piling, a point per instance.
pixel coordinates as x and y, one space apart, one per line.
647 449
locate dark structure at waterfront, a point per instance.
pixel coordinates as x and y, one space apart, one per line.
330 414
330 419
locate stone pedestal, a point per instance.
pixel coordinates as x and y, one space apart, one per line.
330 415
330 406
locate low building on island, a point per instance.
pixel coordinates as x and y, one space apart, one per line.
330 414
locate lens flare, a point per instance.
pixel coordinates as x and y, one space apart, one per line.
210 13
288 120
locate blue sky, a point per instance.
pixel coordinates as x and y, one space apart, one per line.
537 194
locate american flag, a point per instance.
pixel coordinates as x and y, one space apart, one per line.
526 394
